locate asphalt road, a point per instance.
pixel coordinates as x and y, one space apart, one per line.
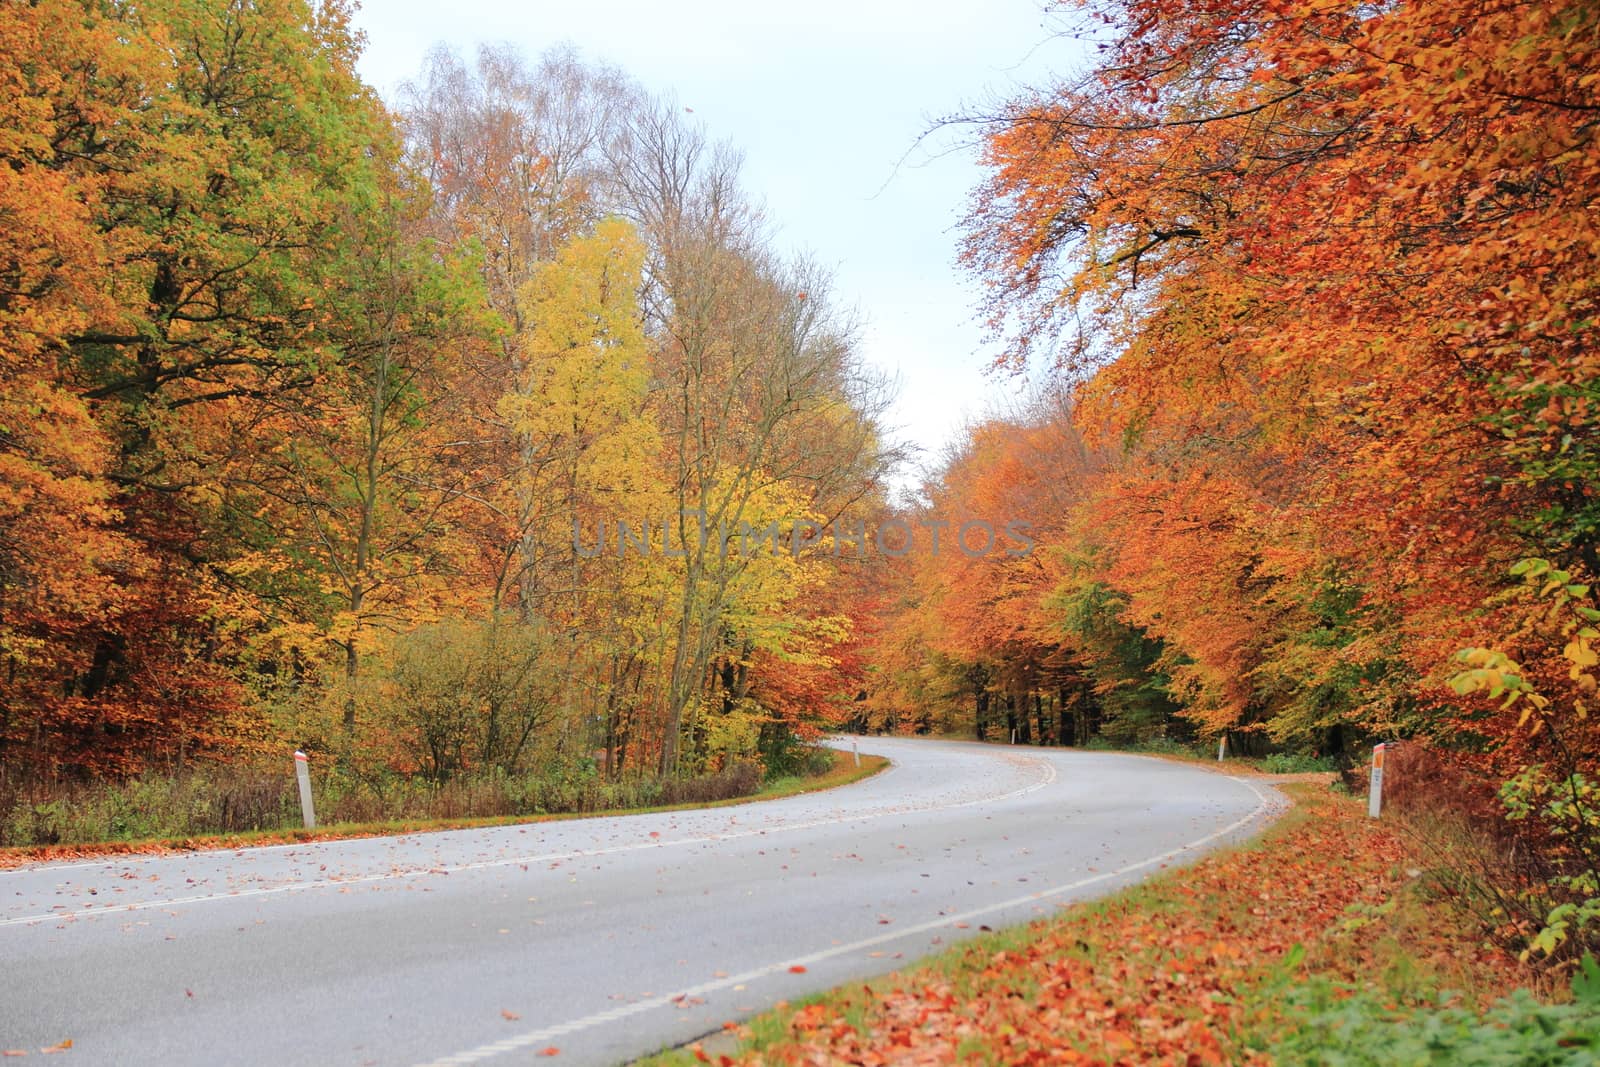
603 938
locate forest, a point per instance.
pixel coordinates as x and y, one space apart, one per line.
312 406
1320 291
1314 285
307 399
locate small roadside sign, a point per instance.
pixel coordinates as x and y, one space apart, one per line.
1375 793
302 773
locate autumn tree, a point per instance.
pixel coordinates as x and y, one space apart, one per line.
349 508
208 152
520 160
591 451
302 401
1291 251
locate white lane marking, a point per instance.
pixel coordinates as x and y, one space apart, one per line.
544 1035
584 853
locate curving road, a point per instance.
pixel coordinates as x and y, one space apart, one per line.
603 938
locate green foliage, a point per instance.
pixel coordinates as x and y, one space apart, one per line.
208 800
1340 664
1164 746
1569 808
1297 763
1497 676
1547 431
463 694
785 756
1151 746
1132 690
725 731
1334 1027
1563 805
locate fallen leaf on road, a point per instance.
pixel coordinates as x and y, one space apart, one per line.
66 1043
797 969
551 1051
508 1015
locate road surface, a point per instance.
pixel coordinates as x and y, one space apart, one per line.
603 938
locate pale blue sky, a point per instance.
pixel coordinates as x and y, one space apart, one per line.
824 97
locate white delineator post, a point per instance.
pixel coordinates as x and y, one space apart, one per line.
1375 793
1222 748
303 773
855 747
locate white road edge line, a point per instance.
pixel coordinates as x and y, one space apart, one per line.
421 872
623 1011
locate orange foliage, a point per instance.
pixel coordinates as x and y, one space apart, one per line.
1164 981
1326 272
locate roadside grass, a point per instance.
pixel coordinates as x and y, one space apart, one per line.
1221 962
843 772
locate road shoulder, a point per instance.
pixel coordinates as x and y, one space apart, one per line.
1194 963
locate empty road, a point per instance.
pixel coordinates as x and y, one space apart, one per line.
603 938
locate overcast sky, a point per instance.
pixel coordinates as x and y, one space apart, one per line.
824 98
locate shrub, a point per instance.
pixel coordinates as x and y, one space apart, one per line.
1569 811
207 800
1334 1027
1297 763
786 756
1517 856
735 780
1164 746
224 799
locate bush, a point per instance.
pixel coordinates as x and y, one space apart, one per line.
1517 856
224 799
1164 746
735 780
786 756
1297 763
209 800
467 693
1568 810
1334 1029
